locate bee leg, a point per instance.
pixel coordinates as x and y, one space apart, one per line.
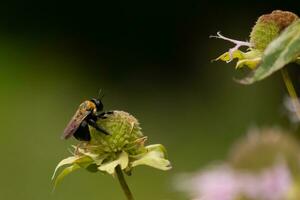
102 115
98 128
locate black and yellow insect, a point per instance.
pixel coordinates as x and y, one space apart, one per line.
87 114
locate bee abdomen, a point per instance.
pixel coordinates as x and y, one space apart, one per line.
83 132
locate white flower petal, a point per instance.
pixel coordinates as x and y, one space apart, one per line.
155 157
109 167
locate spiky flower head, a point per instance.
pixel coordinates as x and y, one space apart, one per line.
269 26
126 134
125 147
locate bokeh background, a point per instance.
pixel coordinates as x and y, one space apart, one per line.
152 59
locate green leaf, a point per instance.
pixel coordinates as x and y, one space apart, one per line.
155 157
82 161
92 168
64 173
281 51
251 63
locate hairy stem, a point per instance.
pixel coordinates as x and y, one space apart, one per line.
291 90
123 183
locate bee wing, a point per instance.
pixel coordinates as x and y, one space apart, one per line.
74 123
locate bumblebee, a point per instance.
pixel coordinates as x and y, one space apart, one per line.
87 114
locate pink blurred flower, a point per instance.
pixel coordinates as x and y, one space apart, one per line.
271 184
217 183
225 183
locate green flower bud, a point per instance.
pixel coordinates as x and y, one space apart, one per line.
269 26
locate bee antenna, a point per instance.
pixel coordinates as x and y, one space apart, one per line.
99 93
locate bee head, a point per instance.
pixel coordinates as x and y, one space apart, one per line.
98 103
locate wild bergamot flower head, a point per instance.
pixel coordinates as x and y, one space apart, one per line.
124 147
267 28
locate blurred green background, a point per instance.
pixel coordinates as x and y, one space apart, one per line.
152 59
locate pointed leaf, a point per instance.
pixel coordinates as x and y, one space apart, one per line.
64 173
251 63
281 51
82 161
67 161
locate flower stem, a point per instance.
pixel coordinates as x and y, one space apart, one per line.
123 183
291 90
